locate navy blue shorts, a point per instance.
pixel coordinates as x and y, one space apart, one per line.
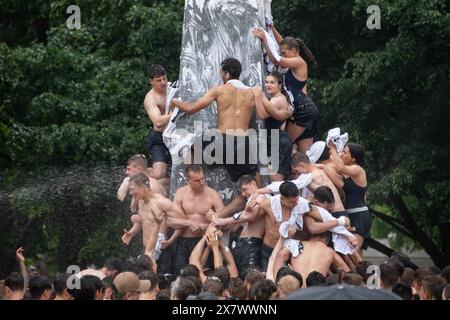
157 149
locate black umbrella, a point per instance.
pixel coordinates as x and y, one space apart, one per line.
341 292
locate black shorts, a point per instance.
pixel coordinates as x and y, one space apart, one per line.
165 260
246 253
157 149
362 221
266 252
338 214
306 115
285 152
239 147
183 251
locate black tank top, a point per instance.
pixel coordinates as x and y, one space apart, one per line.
354 194
272 123
293 85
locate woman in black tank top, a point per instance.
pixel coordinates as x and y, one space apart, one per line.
349 164
275 113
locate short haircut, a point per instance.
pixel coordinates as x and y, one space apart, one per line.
420 274
288 189
197 283
324 194
85 292
288 284
445 274
389 274
152 277
332 280
96 281
298 158
223 274
286 271
431 283
15 282
155 71
353 279
38 285
60 283
213 285
246 179
357 152
407 277
253 276
142 263
182 288
404 291
193 168
113 264
232 66
237 289
189 270
141 180
263 290
362 267
138 160
315 278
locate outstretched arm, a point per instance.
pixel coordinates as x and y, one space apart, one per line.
196 255
123 189
23 268
269 273
198 105
278 36
229 259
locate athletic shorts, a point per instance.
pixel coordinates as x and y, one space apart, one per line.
362 221
266 251
157 149
306 115
285 152
246 253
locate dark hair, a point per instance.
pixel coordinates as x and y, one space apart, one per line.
165 280
15 281
361 269
447 291
327 236
60 283
325 155
332 279
288 189
38 285
149 275
142 263
300 46
433 284
197 283
286 271
113 264
86 290
237 288
403 291
155 71
389 274
96 281
324 194
407 277
253 276
141 180
357 152
189 270
420 274
315 278
279 76
445 274
139 160
246 179
232 66
108 282
299 157
263 290
193 168
398 264
436 270
353 279
213 285
182 288
223 274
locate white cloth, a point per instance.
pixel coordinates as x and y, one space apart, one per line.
172 90
315 151
301 182
296 218
158 247
237 84
293 246
338 139
178 145
338 233
274 49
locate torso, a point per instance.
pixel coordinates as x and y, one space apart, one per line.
152 217
160 101
294 85
354 194
254 229
320 178
235 108
271 226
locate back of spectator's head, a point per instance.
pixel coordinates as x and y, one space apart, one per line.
285 271
129 286
445 274
407 277
431 286
436 270
252 277
152 277
353 279
190 270
237 289
86 289
113 267
263 290
389 275
181 289
98 285
446 292
288 284
315 279
40 288
197 283
214 285
142 263
243 273
362 269
206 296
224 275
165 280
419 275
60 286
109 288
332 279
404 291
14 286
394 260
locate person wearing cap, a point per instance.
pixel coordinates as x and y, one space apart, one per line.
128 286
